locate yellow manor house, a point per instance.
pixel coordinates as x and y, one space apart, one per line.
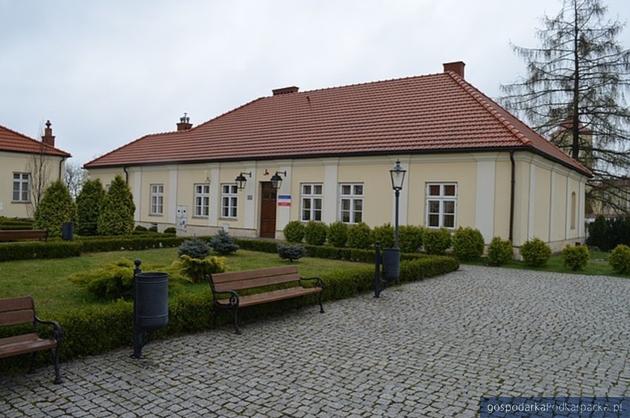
27 167
325 155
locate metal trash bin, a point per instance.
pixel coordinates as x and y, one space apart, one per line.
67 231
391 264
150 305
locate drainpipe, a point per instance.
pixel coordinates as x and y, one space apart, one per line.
512 183
61 164
126 175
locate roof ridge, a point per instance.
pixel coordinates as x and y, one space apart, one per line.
365 83
40 143
482 100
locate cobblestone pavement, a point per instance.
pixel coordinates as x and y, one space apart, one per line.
430 348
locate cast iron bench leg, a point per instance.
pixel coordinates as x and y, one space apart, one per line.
321 307
55 356
237 330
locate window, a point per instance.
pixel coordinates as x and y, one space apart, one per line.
202 200
229 200
21 187
157 199
441 205
573 209
312 202
351 203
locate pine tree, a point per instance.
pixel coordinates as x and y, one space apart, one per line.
116 217
89 204
55 208
574 94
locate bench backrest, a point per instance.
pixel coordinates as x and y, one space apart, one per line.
18 234
248 279
16 311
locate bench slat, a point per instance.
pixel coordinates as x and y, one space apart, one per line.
256 282
16 304
21 344
23 234
273 296
253 274
17 317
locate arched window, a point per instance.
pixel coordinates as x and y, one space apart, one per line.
573 209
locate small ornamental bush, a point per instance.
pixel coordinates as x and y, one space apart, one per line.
359 236
437 241
89 202
410 238
619 259
55 209
338 234
140 228
291 252
109 282
153 228
194 248
535 252
196 269
222 243
576 257
116 215
500 252
294 231
468 244
383 234
315 233
170 230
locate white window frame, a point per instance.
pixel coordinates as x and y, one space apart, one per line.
156 199
311 197
232 201
201 200
352 197
24 187
441 198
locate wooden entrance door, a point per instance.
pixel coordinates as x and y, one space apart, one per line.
267 210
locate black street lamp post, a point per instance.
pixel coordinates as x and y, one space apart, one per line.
389 258
398 178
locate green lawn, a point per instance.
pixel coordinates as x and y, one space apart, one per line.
597 265
47 280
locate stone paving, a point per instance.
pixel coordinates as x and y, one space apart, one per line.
431 348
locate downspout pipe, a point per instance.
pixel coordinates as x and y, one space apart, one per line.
512 184
60 170
126 174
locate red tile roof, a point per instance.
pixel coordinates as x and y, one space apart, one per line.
16 142
423 114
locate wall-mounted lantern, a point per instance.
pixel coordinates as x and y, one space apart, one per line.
241 179
276 180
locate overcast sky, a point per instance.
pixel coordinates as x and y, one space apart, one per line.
108 72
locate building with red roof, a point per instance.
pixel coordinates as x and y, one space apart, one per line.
27 167
469 162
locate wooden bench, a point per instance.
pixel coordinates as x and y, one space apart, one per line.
17 311
231 283
23 235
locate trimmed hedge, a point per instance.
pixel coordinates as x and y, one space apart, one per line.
102 327
64 249
38 249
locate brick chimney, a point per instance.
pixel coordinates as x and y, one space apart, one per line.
285 90
48 138
457 67
184 123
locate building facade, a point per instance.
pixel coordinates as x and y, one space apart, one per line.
468 163
27 167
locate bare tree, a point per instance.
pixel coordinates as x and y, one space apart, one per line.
574 93
39 169
74 178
